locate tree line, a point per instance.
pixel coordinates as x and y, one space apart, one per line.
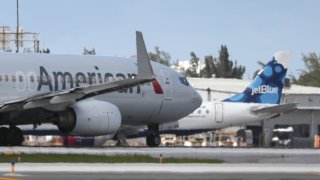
223 67
219 67
310 76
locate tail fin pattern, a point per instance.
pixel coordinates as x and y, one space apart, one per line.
267 85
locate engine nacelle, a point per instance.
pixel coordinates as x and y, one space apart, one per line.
90 118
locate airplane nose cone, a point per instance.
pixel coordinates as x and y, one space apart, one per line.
197 100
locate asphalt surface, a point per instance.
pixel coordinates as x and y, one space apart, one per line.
157 176
253 163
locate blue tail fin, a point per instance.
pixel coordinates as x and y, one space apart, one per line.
267 85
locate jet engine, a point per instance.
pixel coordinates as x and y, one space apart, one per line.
89 118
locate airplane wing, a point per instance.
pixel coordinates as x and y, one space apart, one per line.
274 110
66 97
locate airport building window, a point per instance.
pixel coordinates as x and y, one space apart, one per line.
6 78
20 78
13 78
299 130
0 77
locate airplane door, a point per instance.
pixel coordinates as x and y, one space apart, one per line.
218 112
167 85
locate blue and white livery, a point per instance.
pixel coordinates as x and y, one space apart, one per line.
266 87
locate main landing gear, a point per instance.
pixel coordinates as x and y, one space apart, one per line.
121 139
153 138
11 136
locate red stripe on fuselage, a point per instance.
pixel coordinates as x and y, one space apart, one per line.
156 86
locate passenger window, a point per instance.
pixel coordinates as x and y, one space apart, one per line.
13 78
199 111
184 81
6 78
207 111
32 78
0 77
20 78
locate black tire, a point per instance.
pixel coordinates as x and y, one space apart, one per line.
149 141
153 140
156 140
14 136
3 136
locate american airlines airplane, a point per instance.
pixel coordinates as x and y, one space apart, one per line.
90 95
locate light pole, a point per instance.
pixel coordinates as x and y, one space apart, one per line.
17 35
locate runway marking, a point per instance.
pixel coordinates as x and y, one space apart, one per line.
315 174
8 178
13 175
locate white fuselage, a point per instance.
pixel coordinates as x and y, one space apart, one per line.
216 115
24 75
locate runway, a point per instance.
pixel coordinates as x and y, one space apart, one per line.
253 163
158 176
160 171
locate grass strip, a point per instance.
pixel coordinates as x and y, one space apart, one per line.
77 158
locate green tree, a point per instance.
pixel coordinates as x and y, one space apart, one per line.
89 52
310 76
161 57
47 51
238 71
209 68
223 67
194 64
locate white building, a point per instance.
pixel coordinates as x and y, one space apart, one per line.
184 65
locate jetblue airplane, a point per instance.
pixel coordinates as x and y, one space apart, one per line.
259 101
90 95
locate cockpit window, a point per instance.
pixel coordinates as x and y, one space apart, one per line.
184 81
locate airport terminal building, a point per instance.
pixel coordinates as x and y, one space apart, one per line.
305 121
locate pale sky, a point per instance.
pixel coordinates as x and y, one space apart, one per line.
252 29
